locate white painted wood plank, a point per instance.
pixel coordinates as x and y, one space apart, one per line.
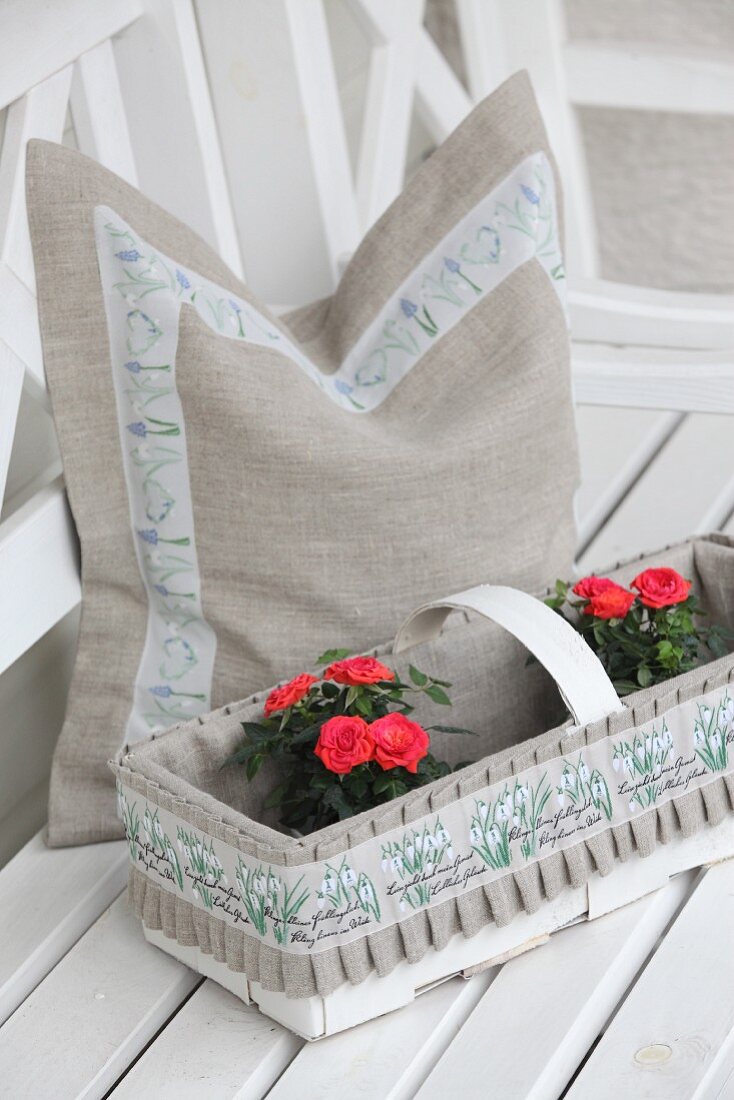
39 571
386 1058
498 39
48 899
534 1025
41 114
265 144
441 100
59 32
171 122
675 1033
682 492
615 446
19 323
645 77
319 94
93 1014
98 112
11 387
217 1046
617 313
653 378
388 108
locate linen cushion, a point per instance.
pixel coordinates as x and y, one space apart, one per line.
249 490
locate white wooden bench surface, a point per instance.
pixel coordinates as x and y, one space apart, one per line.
639 1003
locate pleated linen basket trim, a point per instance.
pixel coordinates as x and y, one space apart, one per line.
524 890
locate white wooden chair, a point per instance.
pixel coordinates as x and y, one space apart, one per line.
83 997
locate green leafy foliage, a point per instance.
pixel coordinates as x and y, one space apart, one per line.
648 645
309 795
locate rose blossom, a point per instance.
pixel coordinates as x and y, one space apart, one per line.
588 587
607 599
281 698
358 670
344 743
661 587
399 743
612 603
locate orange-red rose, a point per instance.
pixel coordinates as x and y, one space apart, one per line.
281 698
399 743
588 587
358 670
344 743
607 600
661 587
612 603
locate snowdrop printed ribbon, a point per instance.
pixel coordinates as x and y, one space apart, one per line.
467 844
143 293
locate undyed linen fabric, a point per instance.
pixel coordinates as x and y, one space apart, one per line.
315 526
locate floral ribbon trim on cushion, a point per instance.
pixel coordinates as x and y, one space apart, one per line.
143 293
469 843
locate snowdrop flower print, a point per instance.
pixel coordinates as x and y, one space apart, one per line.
727 712
504 810
344 886
320 901
561 798
710 732
489 832
584 772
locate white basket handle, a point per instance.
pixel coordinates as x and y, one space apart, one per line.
584 685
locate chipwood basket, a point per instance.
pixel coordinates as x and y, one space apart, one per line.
549 826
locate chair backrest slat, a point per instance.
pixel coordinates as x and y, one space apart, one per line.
98 112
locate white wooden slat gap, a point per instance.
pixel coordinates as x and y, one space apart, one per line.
389 103
60 32
324 127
